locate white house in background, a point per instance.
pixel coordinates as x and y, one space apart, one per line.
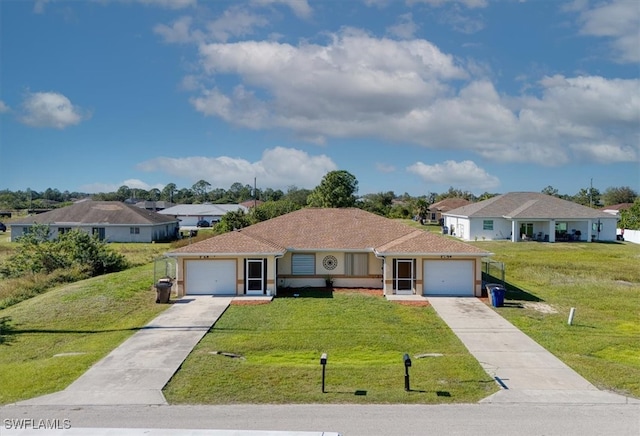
347 247
190 214
111 221
522 216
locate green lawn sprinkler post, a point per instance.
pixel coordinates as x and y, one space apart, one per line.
407 364
323 362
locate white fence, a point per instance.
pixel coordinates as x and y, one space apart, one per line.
632 236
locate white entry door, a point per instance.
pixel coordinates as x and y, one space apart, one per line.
210 277
448 277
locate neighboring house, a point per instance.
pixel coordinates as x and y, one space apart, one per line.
520 216
348 247
436 210
615 209
155 206
190 214
112 221
249 204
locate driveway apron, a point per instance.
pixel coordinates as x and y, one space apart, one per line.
525 371
136 371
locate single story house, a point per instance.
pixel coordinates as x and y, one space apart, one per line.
522 216
345 247
112 221
435 211
190 214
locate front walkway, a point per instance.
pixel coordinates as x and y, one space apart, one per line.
526 372
136 371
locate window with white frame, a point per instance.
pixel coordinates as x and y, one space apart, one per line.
356 264
134 230
303 264
487 225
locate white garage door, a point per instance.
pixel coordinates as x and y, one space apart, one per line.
210 277
448 277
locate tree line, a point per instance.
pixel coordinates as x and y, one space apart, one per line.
337 189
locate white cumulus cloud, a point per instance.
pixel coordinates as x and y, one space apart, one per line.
465 174
617 20
50 109
3 107
300 8
278 167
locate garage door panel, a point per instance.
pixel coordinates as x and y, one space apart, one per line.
210 277
448 277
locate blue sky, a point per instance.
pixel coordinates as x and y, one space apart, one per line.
409 96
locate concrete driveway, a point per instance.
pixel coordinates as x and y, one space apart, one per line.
136 371
526 372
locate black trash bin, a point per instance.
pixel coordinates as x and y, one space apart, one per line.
496 293
163 291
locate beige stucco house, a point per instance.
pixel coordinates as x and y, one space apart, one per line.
349 247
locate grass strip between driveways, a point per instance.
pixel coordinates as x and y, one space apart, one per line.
279 347
81 322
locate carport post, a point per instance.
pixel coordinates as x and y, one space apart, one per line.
407 364
323 362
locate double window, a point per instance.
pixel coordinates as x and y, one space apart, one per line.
134 230
356 264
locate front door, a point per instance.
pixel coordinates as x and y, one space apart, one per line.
403 280
100 232
255 276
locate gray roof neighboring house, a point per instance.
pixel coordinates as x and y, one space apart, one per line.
527 205
97 212
205 209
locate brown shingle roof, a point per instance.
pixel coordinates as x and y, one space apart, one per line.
330 229
448 204
98 212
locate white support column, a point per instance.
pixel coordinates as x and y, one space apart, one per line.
514 231
552 231
589 230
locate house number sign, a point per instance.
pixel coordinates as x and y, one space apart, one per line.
330 262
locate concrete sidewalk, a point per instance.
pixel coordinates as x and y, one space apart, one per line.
136 371
526 372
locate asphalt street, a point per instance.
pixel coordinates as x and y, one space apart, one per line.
351 420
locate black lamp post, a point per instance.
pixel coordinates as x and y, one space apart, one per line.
407 364
323 362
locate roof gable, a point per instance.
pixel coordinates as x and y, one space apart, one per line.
98 212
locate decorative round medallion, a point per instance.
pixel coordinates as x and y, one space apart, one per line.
330 262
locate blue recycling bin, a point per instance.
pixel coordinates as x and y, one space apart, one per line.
496 292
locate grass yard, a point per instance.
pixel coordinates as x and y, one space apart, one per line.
365 338
602 281
86 319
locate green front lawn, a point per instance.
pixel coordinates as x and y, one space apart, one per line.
365 338
48 341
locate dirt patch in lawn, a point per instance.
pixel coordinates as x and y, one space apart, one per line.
249 302
540 307
413 303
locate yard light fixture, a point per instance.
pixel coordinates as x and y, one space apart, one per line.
407 364
323 362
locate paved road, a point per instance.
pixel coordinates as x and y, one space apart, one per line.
356 420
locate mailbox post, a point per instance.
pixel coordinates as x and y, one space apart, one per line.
323 362
407 364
